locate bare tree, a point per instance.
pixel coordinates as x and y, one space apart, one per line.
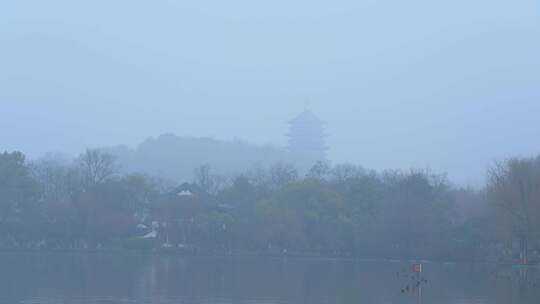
514 187
282 174
209 182
320 170
53 176
97 166
344 172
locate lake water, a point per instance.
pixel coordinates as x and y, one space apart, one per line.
128 278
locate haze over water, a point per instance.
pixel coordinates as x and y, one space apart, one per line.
112 278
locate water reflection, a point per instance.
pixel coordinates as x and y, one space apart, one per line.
130 278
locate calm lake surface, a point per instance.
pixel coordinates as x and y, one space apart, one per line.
129 278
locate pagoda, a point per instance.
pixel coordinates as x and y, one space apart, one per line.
307 139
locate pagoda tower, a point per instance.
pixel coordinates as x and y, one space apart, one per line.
307 139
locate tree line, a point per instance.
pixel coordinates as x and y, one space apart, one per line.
343 210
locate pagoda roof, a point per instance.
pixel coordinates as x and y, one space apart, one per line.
307 117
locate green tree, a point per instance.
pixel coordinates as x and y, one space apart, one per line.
19 194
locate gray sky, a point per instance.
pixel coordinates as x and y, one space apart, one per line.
450 85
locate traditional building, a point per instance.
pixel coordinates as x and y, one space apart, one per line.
307 140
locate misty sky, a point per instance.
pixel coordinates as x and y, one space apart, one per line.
450 85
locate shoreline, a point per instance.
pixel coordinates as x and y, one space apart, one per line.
266 256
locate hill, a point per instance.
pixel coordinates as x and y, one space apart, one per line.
175 157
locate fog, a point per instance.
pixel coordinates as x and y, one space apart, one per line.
450 85
294 152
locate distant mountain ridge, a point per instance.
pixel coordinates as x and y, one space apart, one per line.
176 157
